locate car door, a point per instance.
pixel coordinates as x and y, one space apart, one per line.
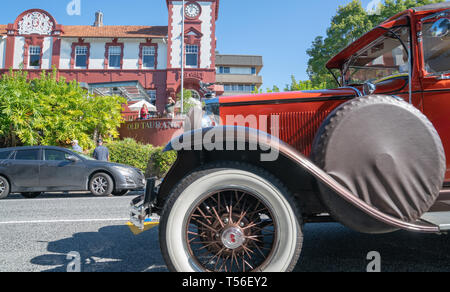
5 162
436 81
23 169
59 174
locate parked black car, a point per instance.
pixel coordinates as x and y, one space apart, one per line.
33 170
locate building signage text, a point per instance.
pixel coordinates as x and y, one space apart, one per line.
159 125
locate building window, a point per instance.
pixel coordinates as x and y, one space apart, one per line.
224 70
192 56
148 57
237 70
152 94
115 55
35 57
81 53
239 87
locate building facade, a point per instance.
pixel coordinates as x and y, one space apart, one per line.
239 74
149 56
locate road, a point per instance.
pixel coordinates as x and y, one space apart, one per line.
37 235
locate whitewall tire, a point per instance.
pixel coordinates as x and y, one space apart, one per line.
230 217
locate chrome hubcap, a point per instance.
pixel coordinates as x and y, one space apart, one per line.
233 237
100 184
2 186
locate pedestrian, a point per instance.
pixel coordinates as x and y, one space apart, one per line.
76 147
144 112
170 108
101 152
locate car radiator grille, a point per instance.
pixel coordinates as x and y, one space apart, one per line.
298 129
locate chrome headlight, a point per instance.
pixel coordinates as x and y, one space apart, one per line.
125 170
211 116
210 121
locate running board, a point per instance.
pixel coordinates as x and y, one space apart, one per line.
440 219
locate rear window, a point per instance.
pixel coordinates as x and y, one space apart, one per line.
4 154
27 155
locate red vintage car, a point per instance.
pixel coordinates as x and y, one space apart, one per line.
369 154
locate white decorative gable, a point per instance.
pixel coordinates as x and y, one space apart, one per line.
35 23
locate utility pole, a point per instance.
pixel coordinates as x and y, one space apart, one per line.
182 57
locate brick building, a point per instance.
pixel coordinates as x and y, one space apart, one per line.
140 61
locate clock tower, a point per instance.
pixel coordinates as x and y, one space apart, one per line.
199 29
199 43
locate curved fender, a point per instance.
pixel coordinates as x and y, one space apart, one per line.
234 138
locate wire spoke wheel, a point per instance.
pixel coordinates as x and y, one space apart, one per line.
231 231
230 217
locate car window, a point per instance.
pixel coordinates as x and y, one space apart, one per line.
27 154
55 155
436 48
4 154
385 57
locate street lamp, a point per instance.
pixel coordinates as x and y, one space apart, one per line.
182 57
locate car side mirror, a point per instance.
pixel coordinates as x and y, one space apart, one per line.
72 158
440 28
369 88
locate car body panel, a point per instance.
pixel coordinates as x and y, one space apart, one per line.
301 113
54 176
23 171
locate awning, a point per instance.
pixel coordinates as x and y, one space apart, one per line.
137 106
131 90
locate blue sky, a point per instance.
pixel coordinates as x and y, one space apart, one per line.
281 31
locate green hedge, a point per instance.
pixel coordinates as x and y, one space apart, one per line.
151 160
160 163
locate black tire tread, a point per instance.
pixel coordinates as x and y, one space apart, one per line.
110 181
6 194
215 166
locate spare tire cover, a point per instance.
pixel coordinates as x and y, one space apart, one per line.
387 153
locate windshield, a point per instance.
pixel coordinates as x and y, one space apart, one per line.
436 44
384 58
84 156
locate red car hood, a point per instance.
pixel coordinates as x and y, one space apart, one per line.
286 96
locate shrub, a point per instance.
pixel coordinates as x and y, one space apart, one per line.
160 162
130 152
50 111
151 160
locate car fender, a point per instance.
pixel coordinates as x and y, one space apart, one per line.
230 138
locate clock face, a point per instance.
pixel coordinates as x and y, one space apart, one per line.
192 10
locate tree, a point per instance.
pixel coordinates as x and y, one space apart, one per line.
48 111
350 22
303 85
188 100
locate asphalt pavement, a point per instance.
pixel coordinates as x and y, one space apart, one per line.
38 235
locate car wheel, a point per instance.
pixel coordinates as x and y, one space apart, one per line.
4 188
31 195
101 184
120 193
230 217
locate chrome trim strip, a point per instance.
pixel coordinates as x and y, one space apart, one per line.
358 92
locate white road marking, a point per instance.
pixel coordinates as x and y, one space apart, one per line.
63 221
68 198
